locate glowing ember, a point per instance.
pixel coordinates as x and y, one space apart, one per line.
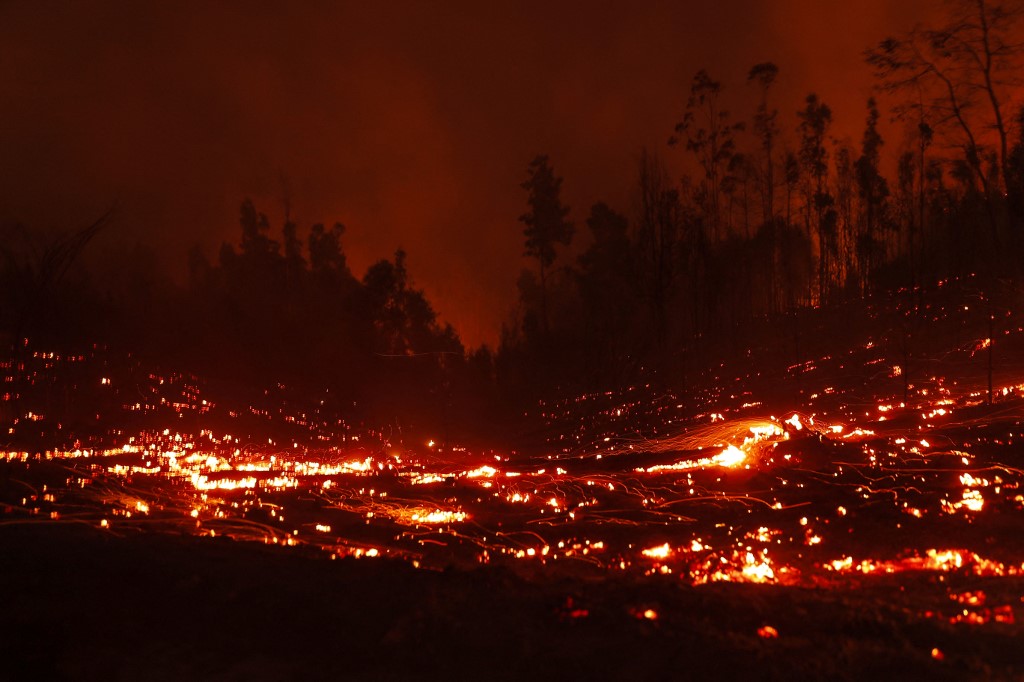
708 492
439 516
757 569
484 471
971 501
732 456
659 552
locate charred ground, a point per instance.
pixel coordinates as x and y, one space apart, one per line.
852 513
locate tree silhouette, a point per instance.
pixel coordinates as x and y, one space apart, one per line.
546 224
295 263
32 268
815 119
873 191
325 255
256 244
710 136
607 282
766 128
657 240
952 68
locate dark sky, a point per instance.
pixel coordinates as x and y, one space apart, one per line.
411 122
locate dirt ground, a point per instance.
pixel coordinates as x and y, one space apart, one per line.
82 604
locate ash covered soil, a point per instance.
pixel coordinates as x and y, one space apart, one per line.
835 495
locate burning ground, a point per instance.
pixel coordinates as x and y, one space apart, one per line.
847 509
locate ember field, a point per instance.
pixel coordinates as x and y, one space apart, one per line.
835 504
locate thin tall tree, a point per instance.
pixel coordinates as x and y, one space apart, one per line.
546 224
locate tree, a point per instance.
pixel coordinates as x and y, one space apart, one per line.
981 40
966 61
909 188
815 119
923 134
405 325
294 262
658 236
606 265
736 185
711 138
325 254
873 191
846 192
546 223
1015 170
918 114
333 288
256 244
607 282
766 128
33 267
791 166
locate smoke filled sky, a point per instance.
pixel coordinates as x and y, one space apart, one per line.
412 123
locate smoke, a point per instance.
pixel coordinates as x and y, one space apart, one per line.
411 124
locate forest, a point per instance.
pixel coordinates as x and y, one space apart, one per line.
775 217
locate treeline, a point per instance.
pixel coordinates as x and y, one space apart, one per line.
779 215
277 306
293 308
